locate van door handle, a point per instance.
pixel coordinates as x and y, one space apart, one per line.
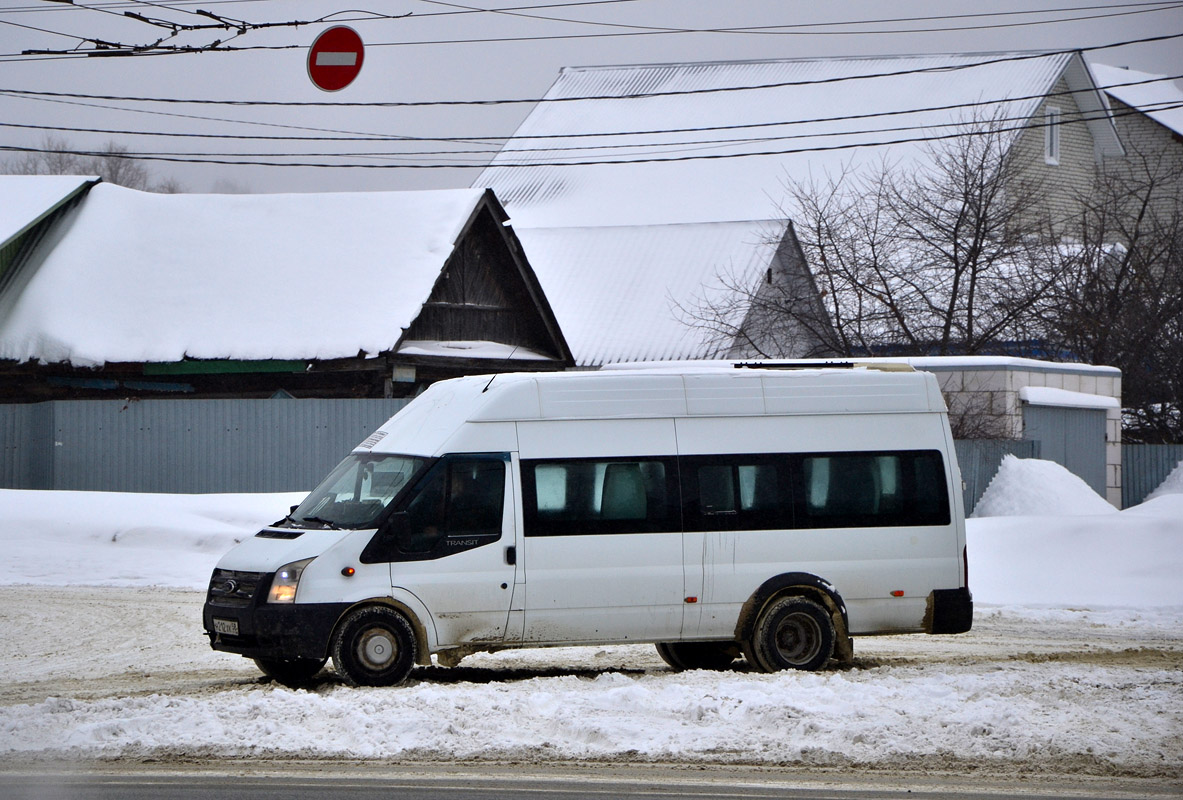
511 555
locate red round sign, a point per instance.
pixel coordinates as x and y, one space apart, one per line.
335 58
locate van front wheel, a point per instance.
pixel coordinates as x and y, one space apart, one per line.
792 633
374 646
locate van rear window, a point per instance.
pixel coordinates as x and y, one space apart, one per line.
849 490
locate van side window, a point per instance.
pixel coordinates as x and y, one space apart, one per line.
845 490
590 496
737 493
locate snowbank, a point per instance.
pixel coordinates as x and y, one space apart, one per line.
1073 714
1025 487
1172 485
113 539
1041 536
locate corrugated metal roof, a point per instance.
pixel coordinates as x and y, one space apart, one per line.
1161 100
782 118
615 290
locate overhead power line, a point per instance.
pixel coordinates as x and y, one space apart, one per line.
656 147
479 139
245 161
1027 56
241 27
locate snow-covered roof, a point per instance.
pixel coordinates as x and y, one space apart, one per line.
1048 396
139 277
28 198
783 117
1161 100
615 290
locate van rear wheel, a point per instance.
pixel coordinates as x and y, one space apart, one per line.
792 633
374 646
698 655
290 671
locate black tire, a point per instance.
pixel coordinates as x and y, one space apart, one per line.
374 646
792 633
698 655
290 671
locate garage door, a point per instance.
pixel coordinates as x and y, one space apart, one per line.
1072 437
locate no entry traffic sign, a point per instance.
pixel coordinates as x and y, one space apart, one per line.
335 58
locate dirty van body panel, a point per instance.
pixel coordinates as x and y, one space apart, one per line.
603 544
450 546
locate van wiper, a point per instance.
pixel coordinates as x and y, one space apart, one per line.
328 523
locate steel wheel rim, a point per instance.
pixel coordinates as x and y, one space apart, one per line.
377 649
798 638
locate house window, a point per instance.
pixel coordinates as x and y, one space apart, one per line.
1051 136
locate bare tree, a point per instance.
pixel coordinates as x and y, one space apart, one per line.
954 257
56 156
115 167
950 259
1121 300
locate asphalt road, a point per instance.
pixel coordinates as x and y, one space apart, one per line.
444 782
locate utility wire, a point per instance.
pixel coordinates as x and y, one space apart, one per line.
599 162
659 147
491 140
796 29
1014 57
220 46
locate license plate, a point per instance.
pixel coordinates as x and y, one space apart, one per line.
226 626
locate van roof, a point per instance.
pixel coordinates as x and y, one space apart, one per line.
704 392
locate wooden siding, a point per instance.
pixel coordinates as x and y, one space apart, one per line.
482 295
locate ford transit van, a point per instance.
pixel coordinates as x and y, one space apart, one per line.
718 513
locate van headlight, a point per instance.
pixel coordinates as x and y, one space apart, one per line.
287 578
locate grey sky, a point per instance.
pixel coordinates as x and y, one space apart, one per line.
397 68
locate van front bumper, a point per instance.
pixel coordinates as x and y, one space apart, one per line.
949 611
243 622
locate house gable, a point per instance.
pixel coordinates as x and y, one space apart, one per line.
487 293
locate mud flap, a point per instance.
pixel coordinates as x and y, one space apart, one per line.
949 611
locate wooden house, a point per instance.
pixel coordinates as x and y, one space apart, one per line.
133 294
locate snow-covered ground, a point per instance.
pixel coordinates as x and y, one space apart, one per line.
1074 665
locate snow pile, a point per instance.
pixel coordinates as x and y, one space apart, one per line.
112 539
1025 487
1172 485
1131 558
1041 536
1083 715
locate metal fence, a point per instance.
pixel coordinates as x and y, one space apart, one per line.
979 460
280 445
1144 467
185 446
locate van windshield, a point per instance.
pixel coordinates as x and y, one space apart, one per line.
356 492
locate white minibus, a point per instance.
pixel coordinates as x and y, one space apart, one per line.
718 512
